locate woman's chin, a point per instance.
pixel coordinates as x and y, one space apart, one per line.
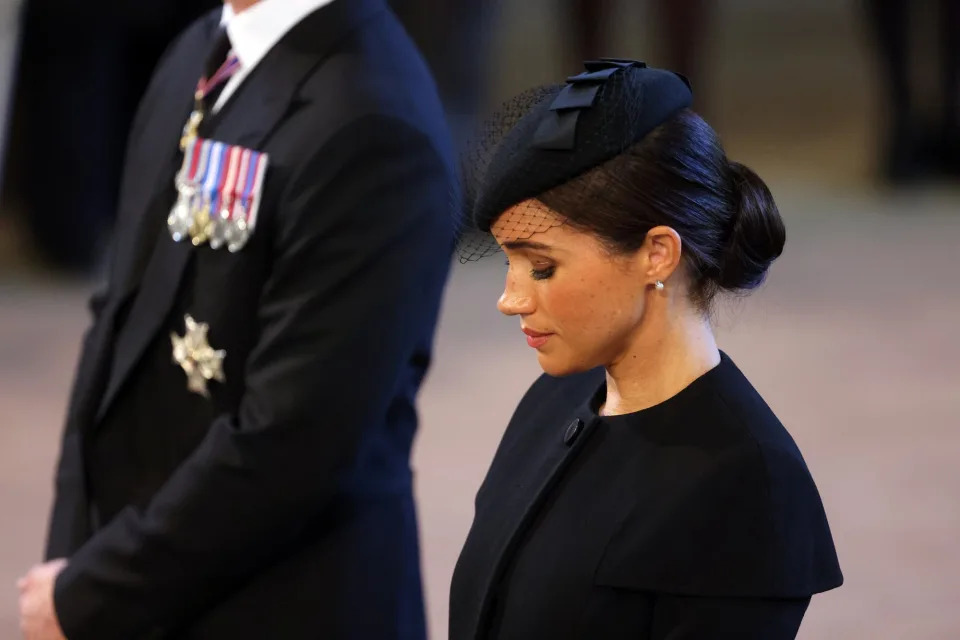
559 367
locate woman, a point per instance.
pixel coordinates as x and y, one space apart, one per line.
643 489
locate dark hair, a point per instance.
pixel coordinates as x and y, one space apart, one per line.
679 176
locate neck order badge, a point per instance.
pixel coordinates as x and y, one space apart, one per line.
206 86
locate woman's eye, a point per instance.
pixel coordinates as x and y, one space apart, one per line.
542 273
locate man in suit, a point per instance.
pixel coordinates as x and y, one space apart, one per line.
235 462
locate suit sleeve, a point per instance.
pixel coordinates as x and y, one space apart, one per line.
693 618
362 245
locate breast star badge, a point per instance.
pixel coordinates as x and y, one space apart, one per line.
196 357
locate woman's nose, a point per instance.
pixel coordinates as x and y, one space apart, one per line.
513 301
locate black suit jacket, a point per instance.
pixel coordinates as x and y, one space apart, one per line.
696 519
281 506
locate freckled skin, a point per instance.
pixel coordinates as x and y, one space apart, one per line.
593 303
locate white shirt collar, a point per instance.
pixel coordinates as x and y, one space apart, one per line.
254 31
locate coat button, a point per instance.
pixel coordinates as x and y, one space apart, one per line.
573 430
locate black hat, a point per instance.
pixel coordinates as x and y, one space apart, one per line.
549 135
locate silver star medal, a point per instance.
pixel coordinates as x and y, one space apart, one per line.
196 357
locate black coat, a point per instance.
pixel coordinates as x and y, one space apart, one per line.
281 506
695 519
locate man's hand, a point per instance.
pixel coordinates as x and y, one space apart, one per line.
38 618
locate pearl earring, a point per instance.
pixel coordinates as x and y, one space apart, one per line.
659 285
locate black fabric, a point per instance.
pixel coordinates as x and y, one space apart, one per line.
694 519
950 73
218 52
260 511
891 26
530 158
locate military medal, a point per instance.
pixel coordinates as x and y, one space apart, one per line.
225 196
199 361
237 224
218 185
187 217
221 224
181 216
202 225
237 233
200 228
204 86
253 169
190 128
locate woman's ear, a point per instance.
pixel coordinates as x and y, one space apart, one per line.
662 249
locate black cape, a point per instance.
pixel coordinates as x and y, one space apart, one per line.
695 518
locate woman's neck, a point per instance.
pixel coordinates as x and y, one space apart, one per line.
662 360
241 5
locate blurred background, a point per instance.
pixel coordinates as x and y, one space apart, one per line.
848 108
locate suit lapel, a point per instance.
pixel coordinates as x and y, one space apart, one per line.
154 161
144 178
513 518
247 119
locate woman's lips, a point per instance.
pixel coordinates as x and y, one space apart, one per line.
536 339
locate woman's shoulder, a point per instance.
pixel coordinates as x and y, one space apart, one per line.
727 404
727 414
759 441
748 523
737 512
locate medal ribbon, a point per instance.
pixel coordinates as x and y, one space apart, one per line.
229 67
212 175
192 157
259 173
225 191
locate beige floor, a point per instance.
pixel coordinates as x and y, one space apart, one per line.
855 340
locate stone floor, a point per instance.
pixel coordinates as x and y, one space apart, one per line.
853 341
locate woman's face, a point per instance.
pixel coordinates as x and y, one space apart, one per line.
579 305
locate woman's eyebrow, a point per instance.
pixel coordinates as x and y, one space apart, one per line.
527 244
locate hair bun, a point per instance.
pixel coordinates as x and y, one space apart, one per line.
757 235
